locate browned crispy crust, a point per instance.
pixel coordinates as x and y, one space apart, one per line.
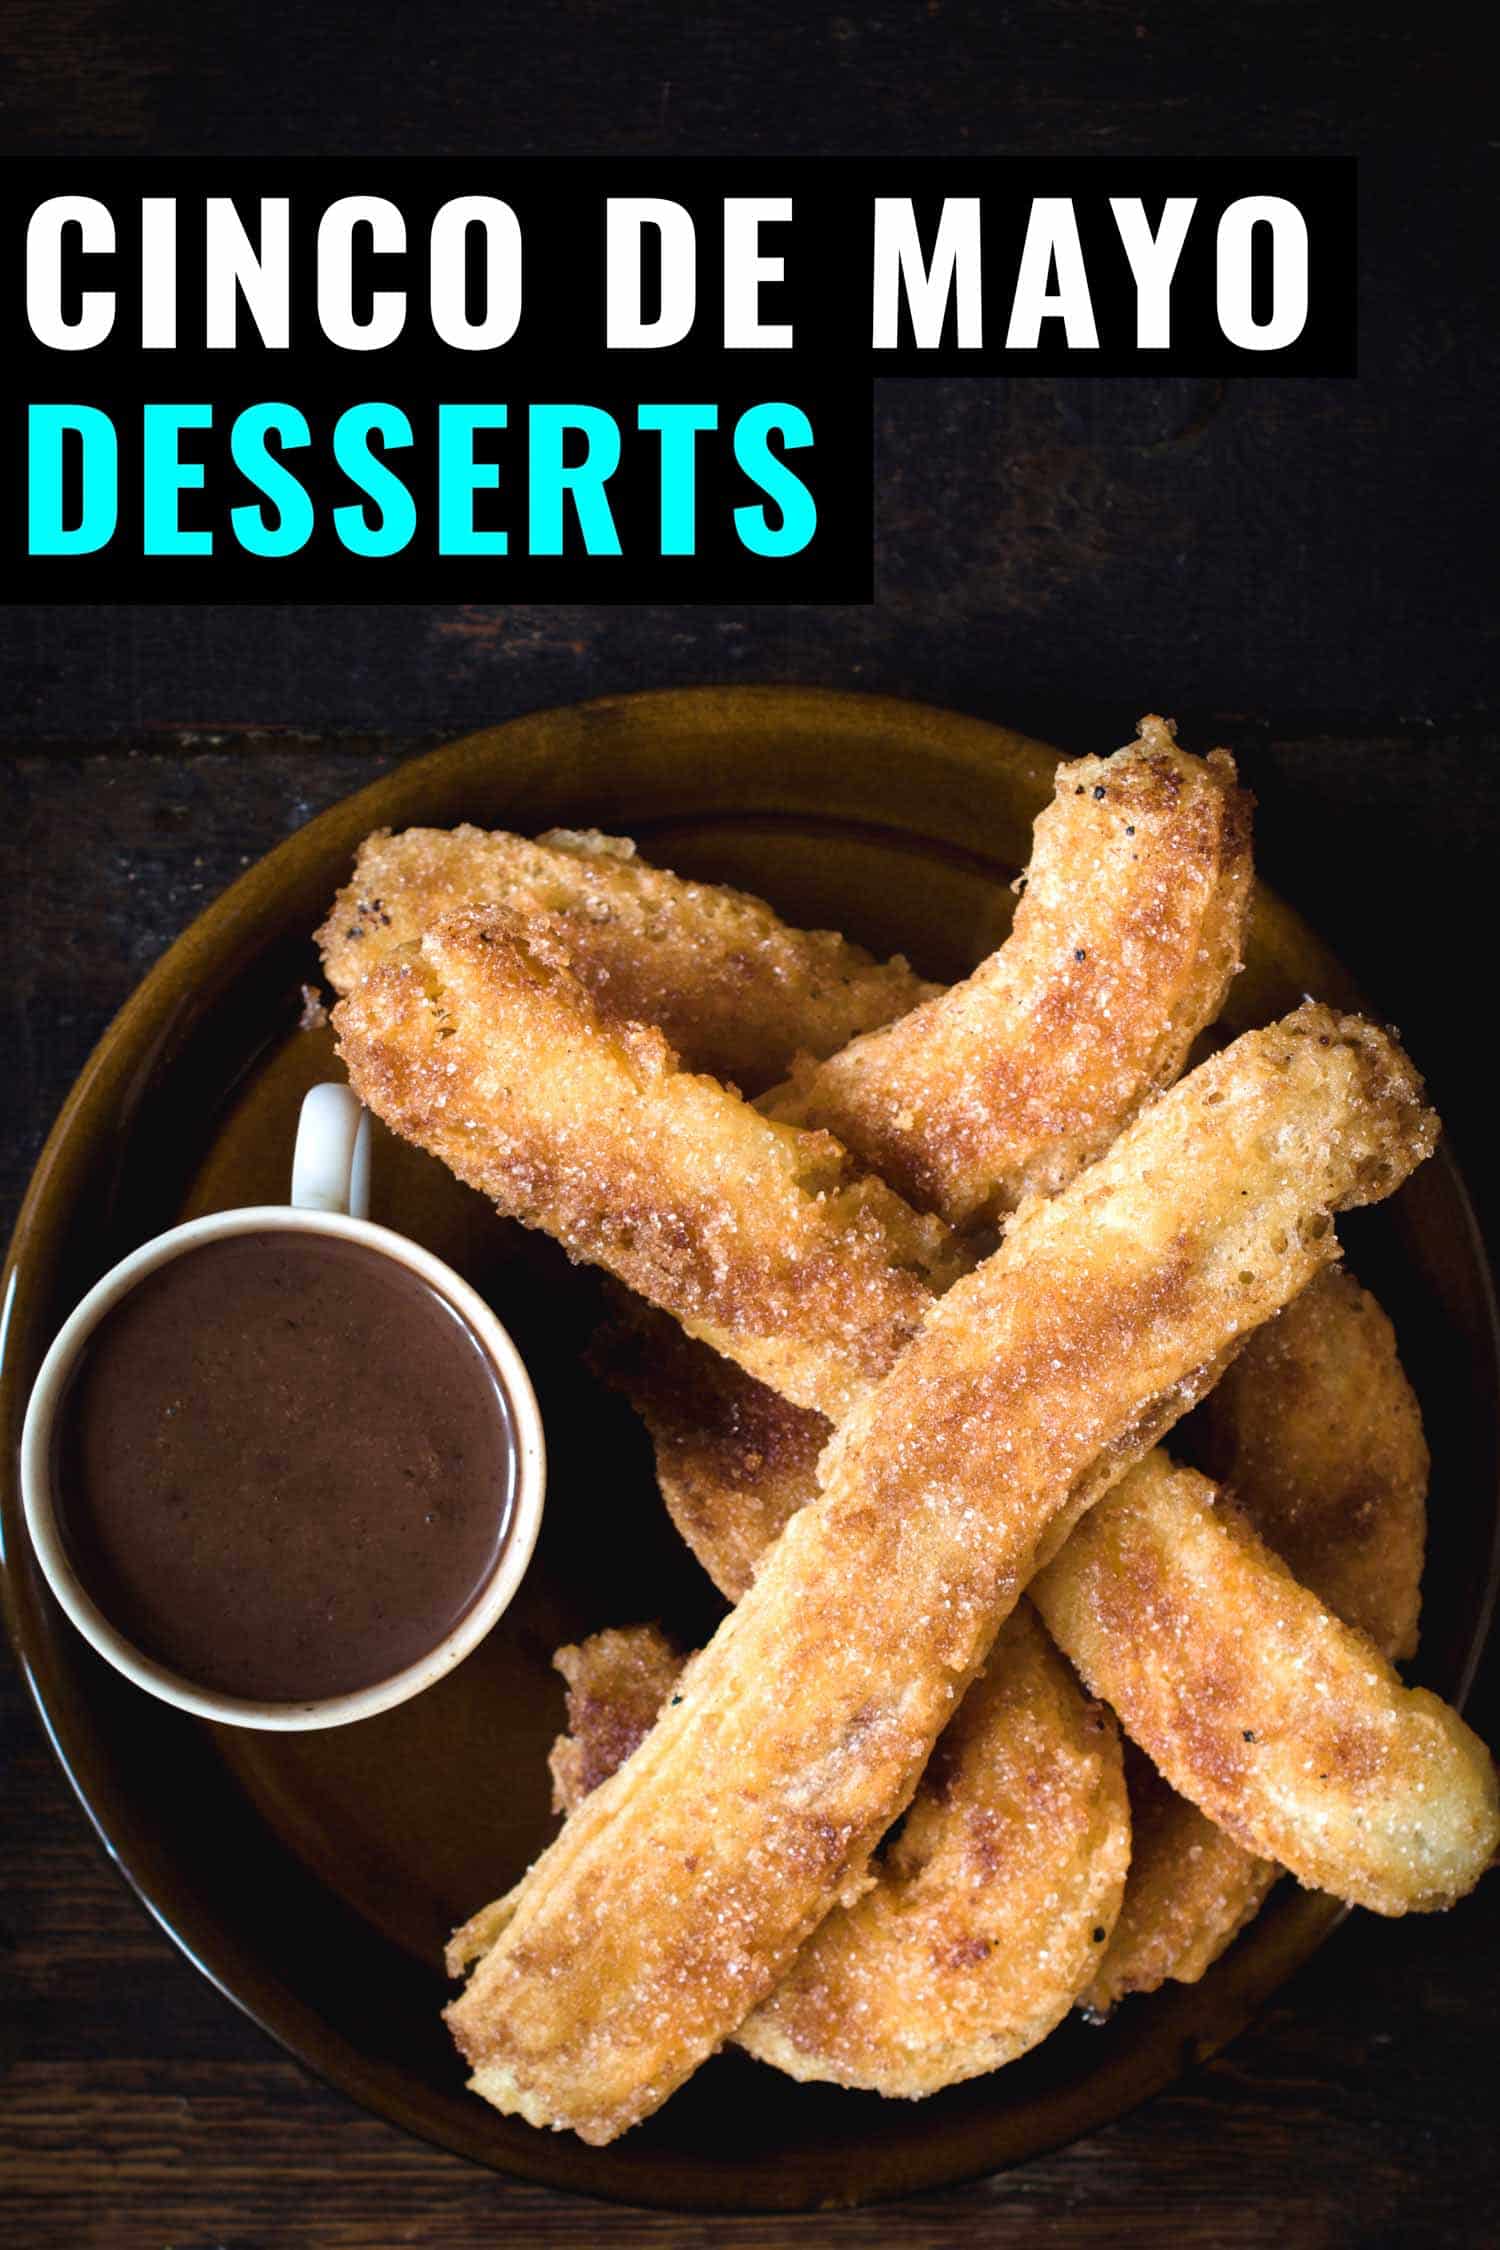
734 1460
1190 1891
1320 1436
1129 930
617 1682
1287 1728
988 1911
1009 1082
761 1238
676 1898
732 988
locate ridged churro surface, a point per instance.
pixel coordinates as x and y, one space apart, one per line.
674 1901
733 989
1320 1435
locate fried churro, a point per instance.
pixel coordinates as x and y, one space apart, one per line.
1128 932
734 1460
617 1682
761 1238
732 988
1288 1728
988 1909
946 1967
1130 928
1082 1891
674 1901
1191 1889
1319 1435
986 1913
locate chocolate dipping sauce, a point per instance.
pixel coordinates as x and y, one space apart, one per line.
284 1466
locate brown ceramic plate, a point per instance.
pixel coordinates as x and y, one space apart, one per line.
314 1877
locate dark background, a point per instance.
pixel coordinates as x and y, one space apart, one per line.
1300 568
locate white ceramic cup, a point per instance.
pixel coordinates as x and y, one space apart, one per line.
330 1196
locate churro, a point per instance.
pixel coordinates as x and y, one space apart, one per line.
987 1913
1317 1432
1319 1436
732 988
1130 928
761 1238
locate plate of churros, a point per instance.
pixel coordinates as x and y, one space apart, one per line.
1020 1398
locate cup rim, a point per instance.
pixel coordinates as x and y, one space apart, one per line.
299 1715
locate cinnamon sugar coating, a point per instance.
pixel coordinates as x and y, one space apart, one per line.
1287 1728
676 1898
617 1682
485 1049
1319 1435
1190 1891
734 1460
1129 929
987 1913
1007 1083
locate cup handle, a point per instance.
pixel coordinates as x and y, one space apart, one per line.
331 1162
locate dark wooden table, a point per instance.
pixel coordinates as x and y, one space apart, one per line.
1301 569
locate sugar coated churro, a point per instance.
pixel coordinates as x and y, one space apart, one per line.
1129 931
1320 1436
1288 1728
987 1913
1127 935
734 1459
990 1907
761 1238
537 1016
617 1682
733 988
803 1726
